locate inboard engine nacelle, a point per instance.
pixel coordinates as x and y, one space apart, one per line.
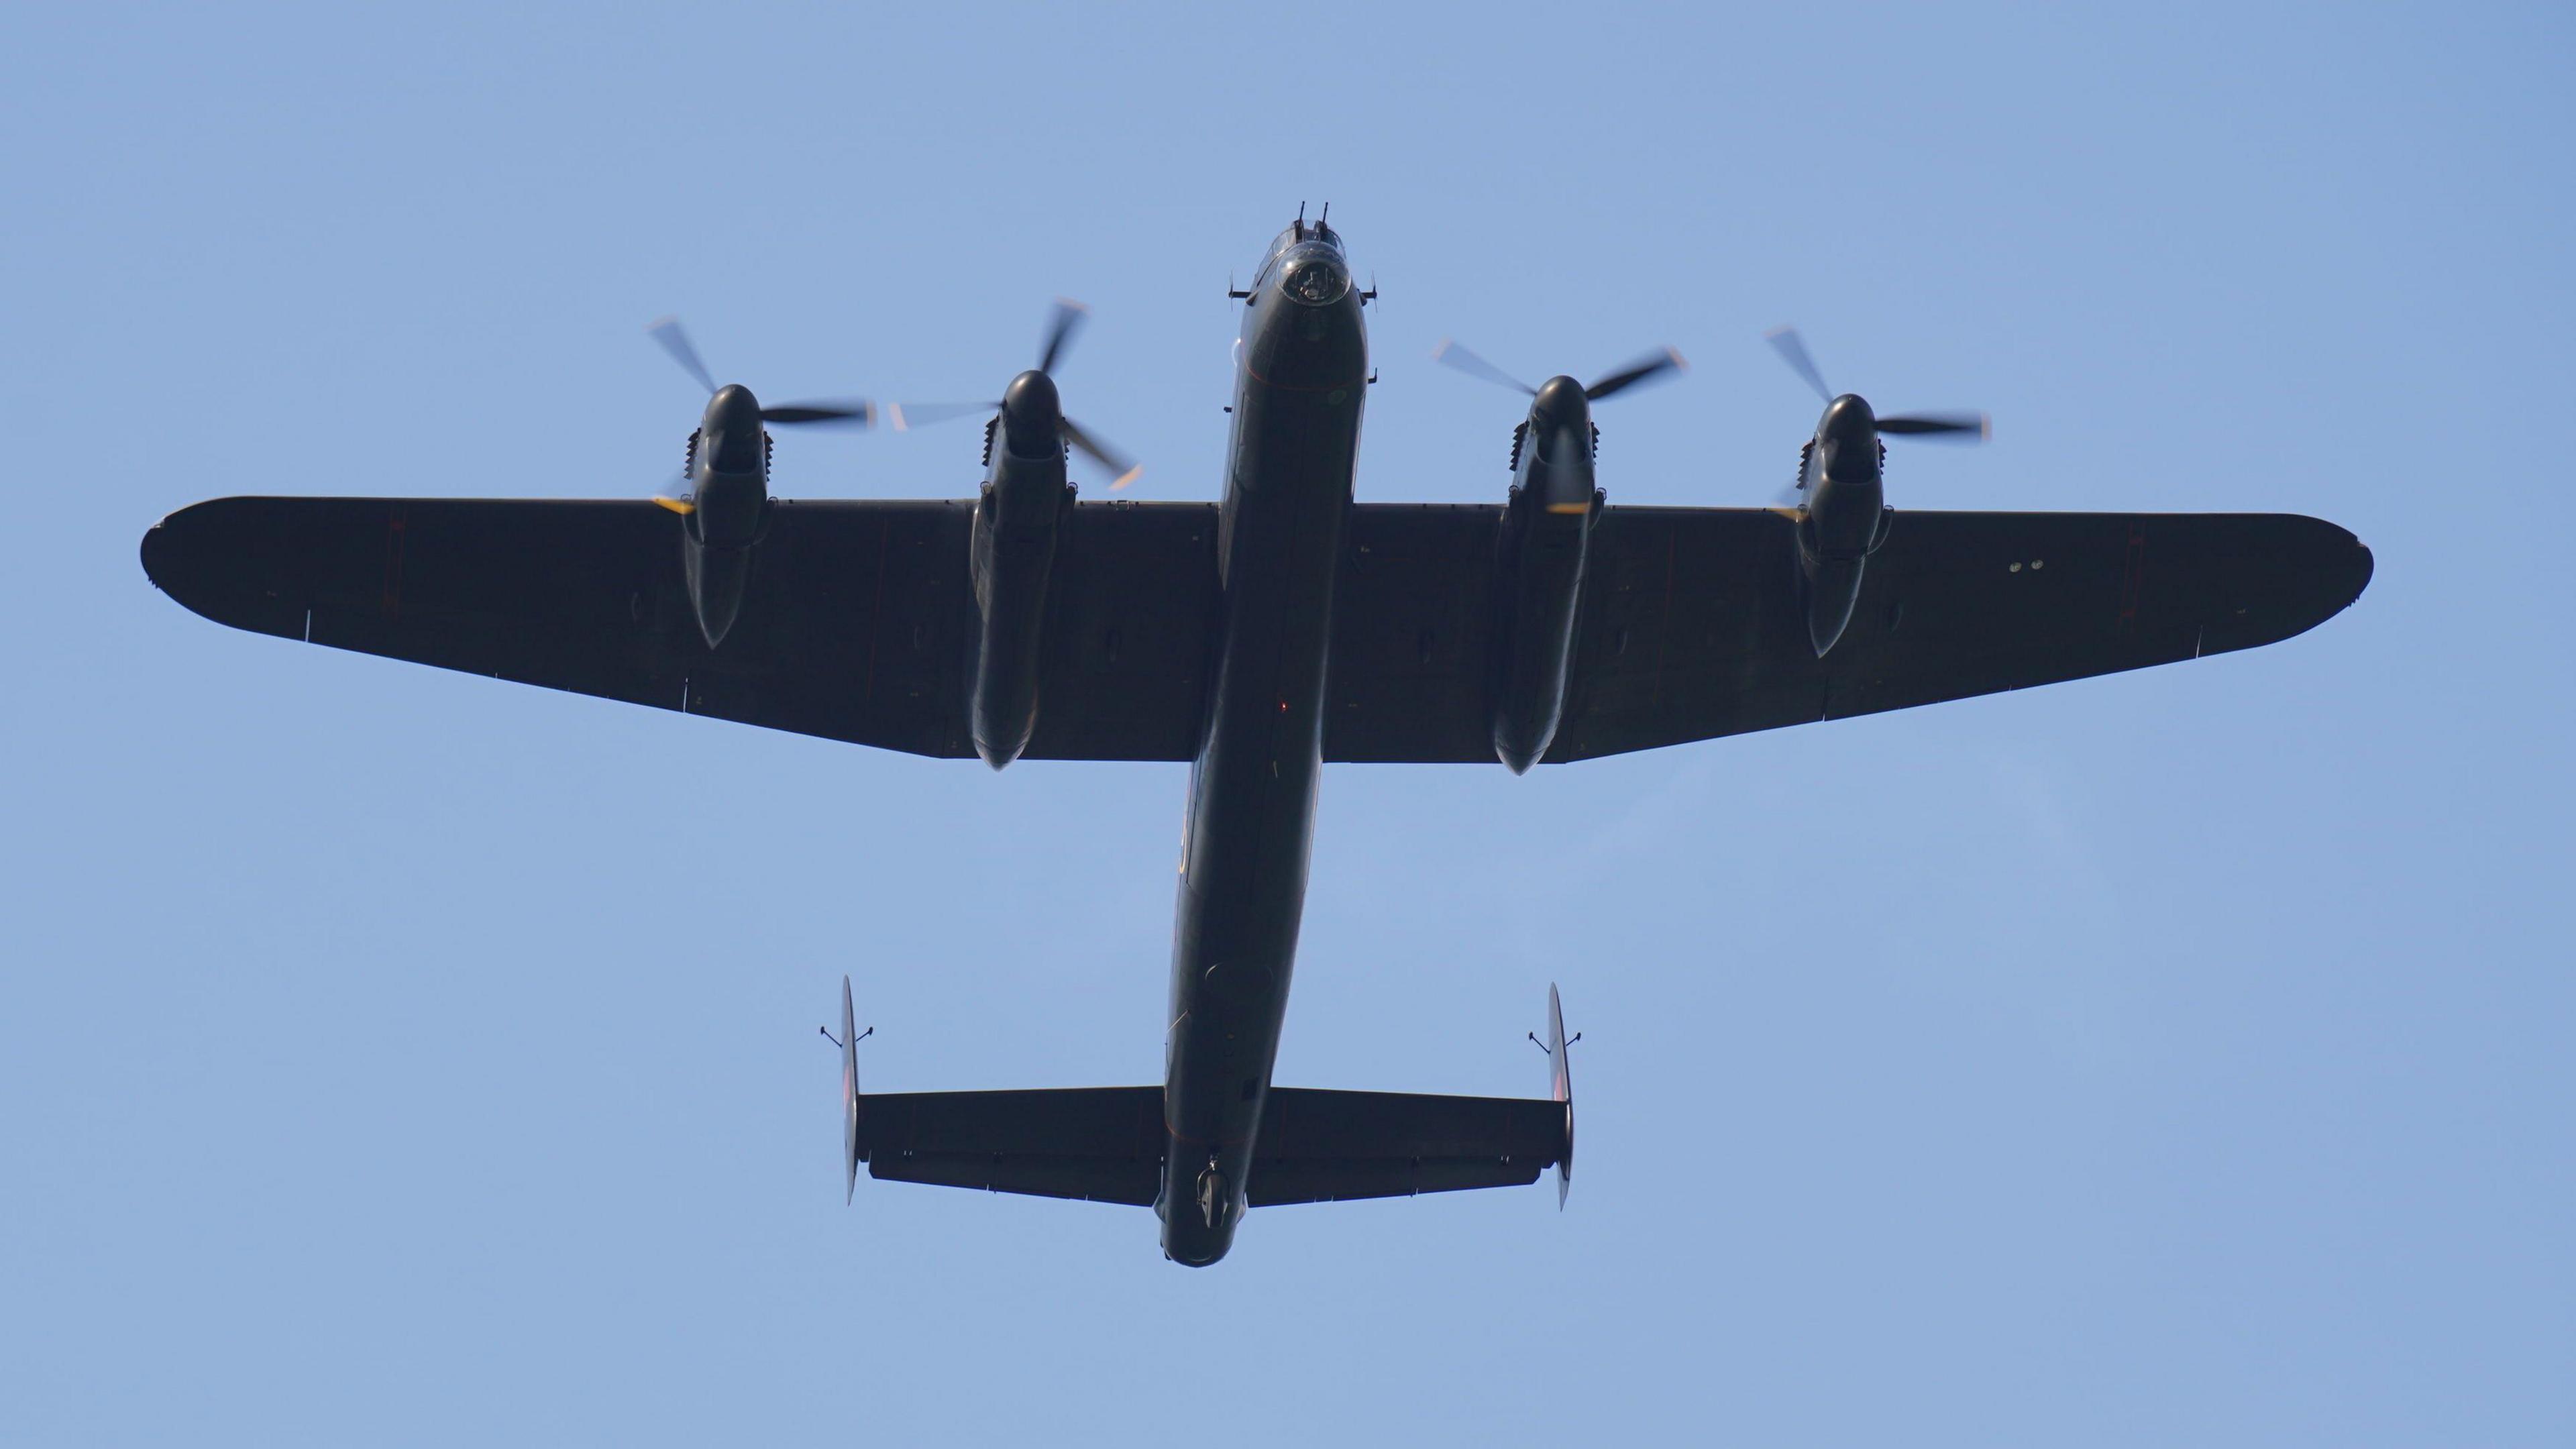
1547 528
729 507
1547 532
1025 496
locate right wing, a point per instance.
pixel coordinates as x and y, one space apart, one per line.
1692 623
856 625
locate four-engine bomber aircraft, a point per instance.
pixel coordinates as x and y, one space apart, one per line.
1259 638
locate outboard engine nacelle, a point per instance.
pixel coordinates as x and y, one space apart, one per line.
1846 517
722 495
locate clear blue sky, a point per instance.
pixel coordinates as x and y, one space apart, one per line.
395 1056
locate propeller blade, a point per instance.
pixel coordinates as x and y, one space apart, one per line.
1652 365
678 494
1976 427
1793 351
848 410
1451 353
1069 315
904 417
675 341
1124 470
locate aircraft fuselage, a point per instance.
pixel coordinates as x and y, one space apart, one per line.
1301 377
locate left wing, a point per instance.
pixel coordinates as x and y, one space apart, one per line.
855 626
1691 623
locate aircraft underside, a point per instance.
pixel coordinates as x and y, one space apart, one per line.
1258 638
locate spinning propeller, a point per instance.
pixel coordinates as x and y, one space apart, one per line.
1953 426
733 400
1793 350
1062 324
1644 369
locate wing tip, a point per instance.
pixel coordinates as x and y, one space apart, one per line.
2318 570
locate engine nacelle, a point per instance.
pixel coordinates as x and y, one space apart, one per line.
1017 518
1846 516
729 508
718 578
1547 532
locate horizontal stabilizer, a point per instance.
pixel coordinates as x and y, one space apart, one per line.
1106 1144
1100 1143
1328 1146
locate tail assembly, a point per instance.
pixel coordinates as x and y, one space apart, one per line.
1109 1144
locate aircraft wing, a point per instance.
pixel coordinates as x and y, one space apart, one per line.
1106 1143
1692 626
858 618
856 624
